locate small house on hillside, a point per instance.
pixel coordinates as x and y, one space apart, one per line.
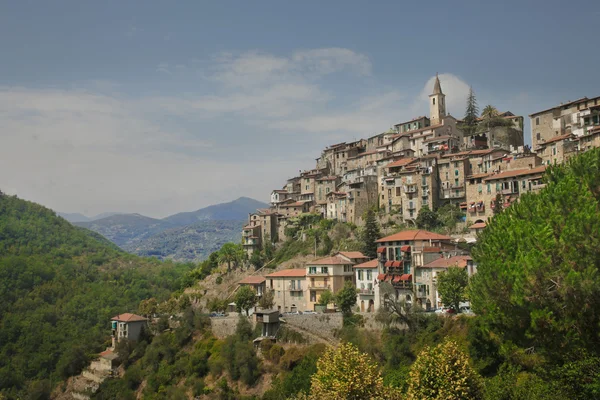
127 326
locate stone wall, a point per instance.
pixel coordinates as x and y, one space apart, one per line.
225 326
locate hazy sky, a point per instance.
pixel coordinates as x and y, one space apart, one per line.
161 107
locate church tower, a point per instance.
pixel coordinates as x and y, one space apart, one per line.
437 103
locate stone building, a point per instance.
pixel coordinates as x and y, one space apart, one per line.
360 196
558 149
324 186
127 326
399 255
427 275
289 286
452 172
251 239
330 273
365 275
506 136
576 117
291 208
337 206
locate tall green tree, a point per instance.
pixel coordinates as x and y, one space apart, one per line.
231 253
428 219
538 279
346 298
370 234
452 285
498 204
469 123
267 300
245 299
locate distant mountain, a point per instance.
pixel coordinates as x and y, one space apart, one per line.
78 217
188 236
124 229
234 210
73 217
188 243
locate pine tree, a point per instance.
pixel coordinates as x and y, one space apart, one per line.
370 234
469 124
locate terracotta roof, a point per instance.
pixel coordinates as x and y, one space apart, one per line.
556 139
296 204
472 153
478 225
296 272
412 120
443 262
128 317
517 172
109 355
328 178
368 264
431 250
334 260
353 254
401 162
368 153
280 191
475 176
416 234
252 280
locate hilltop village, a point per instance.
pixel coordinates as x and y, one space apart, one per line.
479 166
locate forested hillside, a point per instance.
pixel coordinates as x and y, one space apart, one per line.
59 286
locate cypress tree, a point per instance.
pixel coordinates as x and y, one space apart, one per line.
469 124
370 234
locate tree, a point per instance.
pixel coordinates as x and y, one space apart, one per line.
490 118
395 309
538 282
230 253
469 124
267 300
498 204
346 373
256 260
346 298
449 215
443 373
489 112
427 219
148 307
326 298
245 299
452 286
370 234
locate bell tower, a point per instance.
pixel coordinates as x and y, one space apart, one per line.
437 103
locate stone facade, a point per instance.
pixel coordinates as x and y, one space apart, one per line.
289 286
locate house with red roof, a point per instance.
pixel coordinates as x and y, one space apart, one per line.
330 273
365 275
428 273
399 258
289 289
127 326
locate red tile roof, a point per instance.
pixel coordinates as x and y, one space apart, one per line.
368 264
557 139
417 234
334 260
517 172
353 254
401 162
252 280
443 262
436 139
296 272
128 317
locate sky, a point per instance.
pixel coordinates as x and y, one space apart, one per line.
160 107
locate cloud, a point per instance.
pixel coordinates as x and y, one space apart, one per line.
250 122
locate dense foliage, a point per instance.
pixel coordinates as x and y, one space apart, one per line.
452 285
370 234
59 287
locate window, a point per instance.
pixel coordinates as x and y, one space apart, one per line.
398 191
455 172
446 175
358 193
325 270
554 151
537 120
479 189
489 188
360 275
312 270
347 268
434 101
456 165
313 296
369 275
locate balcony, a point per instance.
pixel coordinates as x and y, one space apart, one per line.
425 193
509 191
538 186
454 195
318 273
410 189
293 288
366 291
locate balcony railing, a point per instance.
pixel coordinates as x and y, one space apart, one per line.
318 273
366 291
292 288
454 195
538 186
410 189
509 191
